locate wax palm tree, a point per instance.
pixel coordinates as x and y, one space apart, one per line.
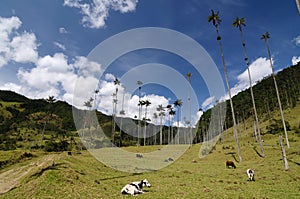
88 105
114 112
189 75
239 23
139 83
178 104
266 37
170 108
122 113
146 103
96 92
50 100
215 19
155 116
171 114
161 114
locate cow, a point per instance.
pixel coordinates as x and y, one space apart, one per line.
135 187
230 164
250 174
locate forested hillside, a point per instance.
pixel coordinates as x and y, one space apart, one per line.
288 81
38 123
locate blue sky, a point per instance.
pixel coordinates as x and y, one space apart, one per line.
45 46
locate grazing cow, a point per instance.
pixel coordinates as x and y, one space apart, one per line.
250 174
135 187
139 155
230 164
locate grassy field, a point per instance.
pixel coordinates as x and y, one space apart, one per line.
59 175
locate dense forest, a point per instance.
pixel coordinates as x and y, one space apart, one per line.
38 123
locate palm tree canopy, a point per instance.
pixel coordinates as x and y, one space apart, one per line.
117 81
172 112
239 22
50 99
142 103
147 103
214 17
178 102
160 108
89 103
265 36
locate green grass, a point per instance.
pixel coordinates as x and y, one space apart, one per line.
83 176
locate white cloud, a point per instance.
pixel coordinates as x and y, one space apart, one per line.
86 67
208 103
259 69
295 60
62 30
60 46
297 40
96 12
24 48
15 46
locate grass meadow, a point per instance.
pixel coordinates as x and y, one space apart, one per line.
59 175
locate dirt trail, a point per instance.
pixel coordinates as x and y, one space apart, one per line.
12 178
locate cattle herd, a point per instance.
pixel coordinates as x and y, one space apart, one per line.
134 188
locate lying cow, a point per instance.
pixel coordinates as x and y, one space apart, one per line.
135 187
250 174
230 164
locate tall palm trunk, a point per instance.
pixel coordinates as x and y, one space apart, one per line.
251 91
277 93
229 93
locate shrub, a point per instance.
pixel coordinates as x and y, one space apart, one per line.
276 127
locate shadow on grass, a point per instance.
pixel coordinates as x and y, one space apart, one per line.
50 167
254 148
234 157
297 163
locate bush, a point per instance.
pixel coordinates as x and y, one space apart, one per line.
276 127
52 146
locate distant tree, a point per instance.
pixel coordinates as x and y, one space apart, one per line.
114 112
178 104
160 109
146 103
96 92
87 120
50 100
171 115
239 23
155 116
122 113
215 19
139 83
266 37
170 110
190 134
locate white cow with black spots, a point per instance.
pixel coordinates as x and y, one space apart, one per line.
135 187
250 174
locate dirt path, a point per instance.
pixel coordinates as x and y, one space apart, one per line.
12 178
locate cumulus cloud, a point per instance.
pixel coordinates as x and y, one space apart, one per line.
259 69
15 46
295 60
96 13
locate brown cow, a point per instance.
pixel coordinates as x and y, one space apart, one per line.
230 164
